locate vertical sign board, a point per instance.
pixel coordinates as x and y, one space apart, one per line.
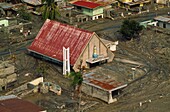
66 61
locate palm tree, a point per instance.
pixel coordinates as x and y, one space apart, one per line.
50 9
77 80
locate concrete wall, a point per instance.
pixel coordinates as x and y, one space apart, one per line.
88 52
95 92
98 10
92 12
36 81
4 81
7 70
160 24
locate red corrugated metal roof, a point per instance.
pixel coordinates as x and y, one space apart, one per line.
53 36
86 4
18 105
101 81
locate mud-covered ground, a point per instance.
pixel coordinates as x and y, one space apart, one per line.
149 92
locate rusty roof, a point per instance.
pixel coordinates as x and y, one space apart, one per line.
86 4
102 82
53 36
18 105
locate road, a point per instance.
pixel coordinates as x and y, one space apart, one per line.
109 27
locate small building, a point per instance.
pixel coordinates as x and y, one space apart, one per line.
7 75
12 103
163 2
6 9
86 48
163 21
101 86
110 44
4 22
148 23
33 2
128 4
91 9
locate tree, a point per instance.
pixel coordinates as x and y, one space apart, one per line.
77 82
77 78
130 29
50 9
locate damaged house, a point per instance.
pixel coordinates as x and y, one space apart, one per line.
86 48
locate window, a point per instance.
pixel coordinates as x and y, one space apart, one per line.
164 25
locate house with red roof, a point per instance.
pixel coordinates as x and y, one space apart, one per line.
86 48
12 103
91 9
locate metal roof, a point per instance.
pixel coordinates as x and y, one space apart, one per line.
163 18
18 105
90 5
5 6
102 82
53 36
33 2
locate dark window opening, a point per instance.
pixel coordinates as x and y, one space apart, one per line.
115 93
67 15
4 88
99 17
164 25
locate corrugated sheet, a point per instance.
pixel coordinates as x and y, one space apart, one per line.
33 2
102 81
162 18
53 36
86 4
18 105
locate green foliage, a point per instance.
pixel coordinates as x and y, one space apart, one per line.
77 78
130 29
24 14
49 9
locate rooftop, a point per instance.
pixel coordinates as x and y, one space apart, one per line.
13 104
53 36
103 82
86 4
33 2
163 18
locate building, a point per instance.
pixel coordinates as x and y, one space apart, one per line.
91 9
110 44
133 3
163 2
148 23
102 86
7 75
12 103
5 9
86 49
33 2
163 21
